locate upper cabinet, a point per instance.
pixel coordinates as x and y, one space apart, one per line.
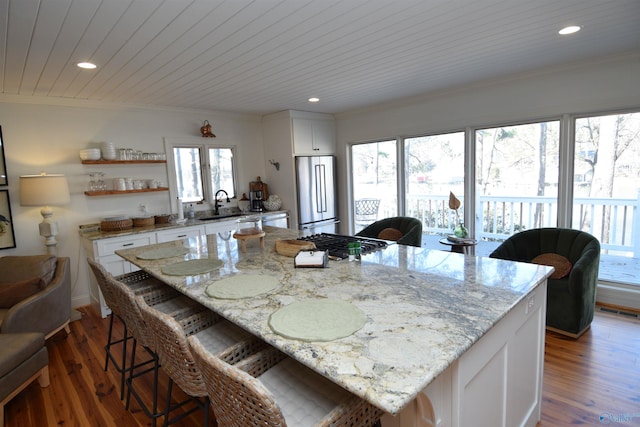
313 136
300 133
291 133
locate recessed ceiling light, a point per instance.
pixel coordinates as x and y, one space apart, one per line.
569 30
87 65
314 99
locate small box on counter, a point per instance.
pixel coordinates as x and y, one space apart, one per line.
311 259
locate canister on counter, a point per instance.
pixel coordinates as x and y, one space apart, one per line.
355 250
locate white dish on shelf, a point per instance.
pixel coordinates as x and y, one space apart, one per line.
90 154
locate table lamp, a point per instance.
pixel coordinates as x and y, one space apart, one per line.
45 190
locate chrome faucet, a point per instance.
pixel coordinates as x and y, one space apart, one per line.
215 201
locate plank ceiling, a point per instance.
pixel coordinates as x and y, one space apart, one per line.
263 56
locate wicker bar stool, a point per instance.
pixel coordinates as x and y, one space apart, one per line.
272 390
139 283
220 336
179 306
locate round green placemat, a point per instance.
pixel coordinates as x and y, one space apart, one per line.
192 267
161 253
317 320
242 286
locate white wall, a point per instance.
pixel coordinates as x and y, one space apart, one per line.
607 84
40 136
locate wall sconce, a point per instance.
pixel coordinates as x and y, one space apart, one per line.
205 130
45 190
275 164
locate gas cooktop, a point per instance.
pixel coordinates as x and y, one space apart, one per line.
337 245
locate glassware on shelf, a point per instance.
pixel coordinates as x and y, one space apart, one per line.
93 183
96 182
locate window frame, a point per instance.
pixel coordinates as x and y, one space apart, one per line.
204 146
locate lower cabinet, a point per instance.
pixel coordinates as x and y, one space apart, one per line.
224 228
179 233
103 251
497 382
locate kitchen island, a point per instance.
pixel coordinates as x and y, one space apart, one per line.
449 339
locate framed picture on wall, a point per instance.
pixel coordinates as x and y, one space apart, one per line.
3 163
7 236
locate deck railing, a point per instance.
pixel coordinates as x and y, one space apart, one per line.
615 222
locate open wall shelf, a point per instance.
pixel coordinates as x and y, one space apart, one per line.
115 192
120 162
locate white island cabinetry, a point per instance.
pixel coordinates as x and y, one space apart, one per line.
497 382
463 344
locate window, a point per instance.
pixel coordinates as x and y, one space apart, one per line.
434 166
517 172
606 193
520 181
202 169
375 182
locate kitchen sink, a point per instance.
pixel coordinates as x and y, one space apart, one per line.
221 216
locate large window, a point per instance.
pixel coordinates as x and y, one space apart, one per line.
523 176
375 182
434 166
201 170
606 187
517 175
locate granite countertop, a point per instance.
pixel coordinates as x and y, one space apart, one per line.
228 216
424 308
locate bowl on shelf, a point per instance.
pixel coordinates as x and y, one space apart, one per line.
90 154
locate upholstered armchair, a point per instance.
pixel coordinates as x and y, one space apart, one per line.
571 290
403 229
35 294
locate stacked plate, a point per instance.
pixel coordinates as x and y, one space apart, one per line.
90 154
109 151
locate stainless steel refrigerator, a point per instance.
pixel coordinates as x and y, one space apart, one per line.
316 180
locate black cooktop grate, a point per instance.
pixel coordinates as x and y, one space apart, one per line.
337 245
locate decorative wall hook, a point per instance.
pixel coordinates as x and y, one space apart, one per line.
275 164
205 130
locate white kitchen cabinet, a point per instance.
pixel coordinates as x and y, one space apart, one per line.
279 219
498 380
313 136
179 233
103 252
225 228
287 134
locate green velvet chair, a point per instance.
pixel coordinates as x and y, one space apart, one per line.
570 299
410 230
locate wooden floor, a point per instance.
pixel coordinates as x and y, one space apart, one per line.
587 382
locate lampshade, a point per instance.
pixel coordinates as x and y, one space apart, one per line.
44 190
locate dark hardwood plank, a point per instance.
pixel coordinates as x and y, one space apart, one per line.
596 375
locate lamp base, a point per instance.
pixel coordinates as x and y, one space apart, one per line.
49 230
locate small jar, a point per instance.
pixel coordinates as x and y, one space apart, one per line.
355 250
